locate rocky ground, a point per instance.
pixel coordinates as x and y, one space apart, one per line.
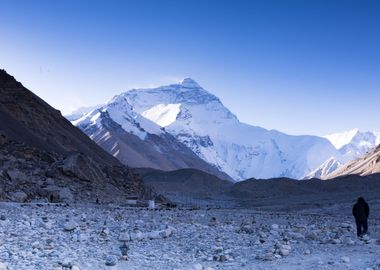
56 236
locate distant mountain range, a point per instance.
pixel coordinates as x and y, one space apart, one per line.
184 126
351 145
366 165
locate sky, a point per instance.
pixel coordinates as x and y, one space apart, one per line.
301 67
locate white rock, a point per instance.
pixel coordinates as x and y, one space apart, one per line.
275 227
3 266
124 237
336 241
70 226
345 259
136 236
197 266
153 235
284 252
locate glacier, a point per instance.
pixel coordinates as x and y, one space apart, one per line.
216 135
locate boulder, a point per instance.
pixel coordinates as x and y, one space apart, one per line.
111 260
70 226
3 266
18 196
82 167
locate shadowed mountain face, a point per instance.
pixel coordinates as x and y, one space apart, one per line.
137 141
27 118
44 156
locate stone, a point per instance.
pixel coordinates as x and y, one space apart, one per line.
223 258
269 256
297 236
3 266
154 235
19 196
66 195
136 236
111 260
197 266
213 222
284 252
336 241
349 241
70 226
345 259
75 267
125 236
274 227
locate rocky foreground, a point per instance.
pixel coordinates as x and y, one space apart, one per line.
54 236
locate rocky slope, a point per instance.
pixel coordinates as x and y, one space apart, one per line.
351 145
43 156
367 165
326 168
90 237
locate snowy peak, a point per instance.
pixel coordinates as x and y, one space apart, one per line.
326 168
163 114
183 102
354 143
199 120
122 113
190 83
341 139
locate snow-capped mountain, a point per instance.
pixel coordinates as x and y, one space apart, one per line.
138 141
354 143
351 145
366 165
199 120
326 168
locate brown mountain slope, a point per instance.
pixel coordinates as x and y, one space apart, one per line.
27 118
42 155
367 165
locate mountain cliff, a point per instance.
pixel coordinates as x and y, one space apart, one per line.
43 156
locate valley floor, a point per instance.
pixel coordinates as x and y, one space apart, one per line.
48 236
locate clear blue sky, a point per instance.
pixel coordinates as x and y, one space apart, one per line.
302 67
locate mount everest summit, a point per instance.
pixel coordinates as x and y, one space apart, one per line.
184 126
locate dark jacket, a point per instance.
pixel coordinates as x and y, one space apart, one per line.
361 210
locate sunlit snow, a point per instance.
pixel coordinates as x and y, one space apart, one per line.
163 114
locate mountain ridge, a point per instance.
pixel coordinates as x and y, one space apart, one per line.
200 121
44 157
137 141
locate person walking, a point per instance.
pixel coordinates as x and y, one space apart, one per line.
361 213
